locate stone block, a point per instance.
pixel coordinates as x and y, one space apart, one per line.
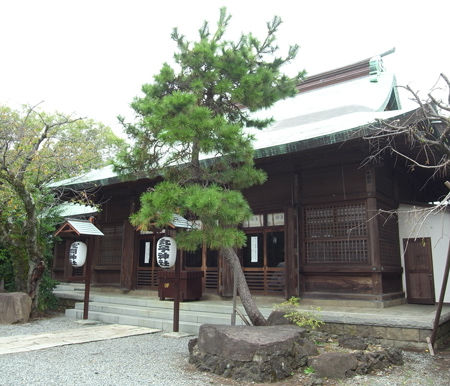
249 353
409 345
378 332
362 331
242 342
15 307
402 334
423 334
332 328
350 329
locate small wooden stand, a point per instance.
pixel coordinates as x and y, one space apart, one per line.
84 231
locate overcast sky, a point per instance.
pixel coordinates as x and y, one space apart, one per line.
90 57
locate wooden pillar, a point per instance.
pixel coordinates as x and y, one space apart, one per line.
128 263
291 264
67 265
87 276
373 234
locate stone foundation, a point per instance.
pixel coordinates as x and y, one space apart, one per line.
404 338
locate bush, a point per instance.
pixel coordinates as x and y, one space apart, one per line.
7 271
47 300
310 319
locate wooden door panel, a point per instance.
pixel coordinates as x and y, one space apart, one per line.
419 271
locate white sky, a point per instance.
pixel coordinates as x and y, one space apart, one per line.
90 57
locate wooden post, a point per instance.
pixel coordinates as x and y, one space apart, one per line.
87 276
176 302
437 317
233 314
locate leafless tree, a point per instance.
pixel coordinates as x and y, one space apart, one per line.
421 138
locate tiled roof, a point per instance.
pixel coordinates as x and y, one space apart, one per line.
316 117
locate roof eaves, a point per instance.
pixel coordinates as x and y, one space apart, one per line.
311 143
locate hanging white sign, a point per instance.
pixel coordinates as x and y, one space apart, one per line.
77 254
166 252
147 252
254 249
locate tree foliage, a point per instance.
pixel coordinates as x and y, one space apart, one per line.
198 107
37 148
190 130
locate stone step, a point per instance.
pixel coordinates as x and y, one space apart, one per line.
148 310
161 324
158 313
64 294
219 307
70 287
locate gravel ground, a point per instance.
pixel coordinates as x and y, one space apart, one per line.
156 360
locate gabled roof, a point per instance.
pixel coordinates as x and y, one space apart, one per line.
331 107
80 228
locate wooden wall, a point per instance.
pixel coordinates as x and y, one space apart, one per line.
336 244
369 268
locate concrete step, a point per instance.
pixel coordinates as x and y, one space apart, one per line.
162 324
147 310
73 295
70 287
158 313
219 307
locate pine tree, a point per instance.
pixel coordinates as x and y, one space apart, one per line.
190 131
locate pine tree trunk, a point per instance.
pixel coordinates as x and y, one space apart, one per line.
244 293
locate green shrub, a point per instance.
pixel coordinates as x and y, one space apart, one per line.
309 370
310 319
47 300
7 271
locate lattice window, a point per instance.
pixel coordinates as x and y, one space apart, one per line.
212 278
343 251
388 234
111 245
147 278
336 234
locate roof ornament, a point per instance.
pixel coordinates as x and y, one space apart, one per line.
376 67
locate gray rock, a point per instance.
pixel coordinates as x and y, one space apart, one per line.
395 356
353 342
277 318
340 365
15 307
252 354
334 365
242 343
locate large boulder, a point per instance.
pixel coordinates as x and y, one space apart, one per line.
15 307
249 353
